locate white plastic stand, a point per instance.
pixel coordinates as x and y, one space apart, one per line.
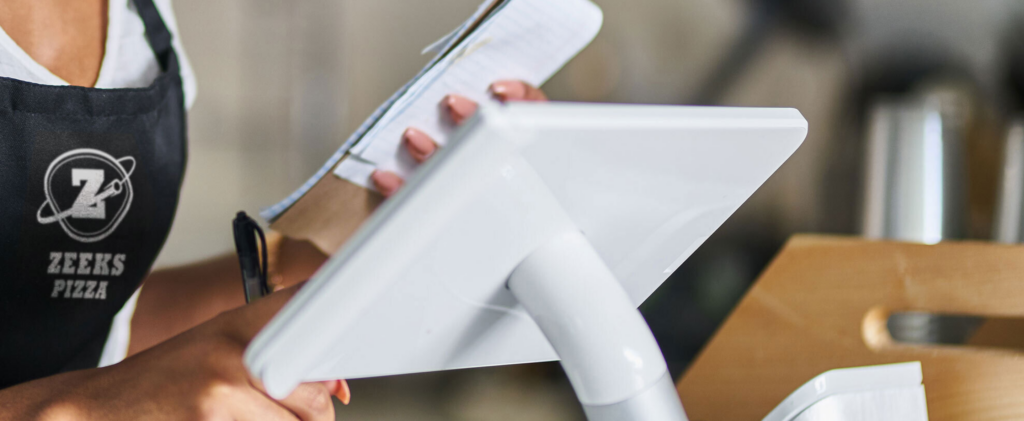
535 197
605 346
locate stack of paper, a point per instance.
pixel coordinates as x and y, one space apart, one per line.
526 40
880 393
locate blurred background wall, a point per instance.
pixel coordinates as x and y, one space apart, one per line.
282 84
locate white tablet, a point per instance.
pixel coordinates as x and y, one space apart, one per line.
421 286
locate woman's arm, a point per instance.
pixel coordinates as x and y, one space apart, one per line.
178 299
197 375
175 300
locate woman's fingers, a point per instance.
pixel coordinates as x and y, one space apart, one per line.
516 90
420 145
310 402
252 405
340 390
459 107
387 182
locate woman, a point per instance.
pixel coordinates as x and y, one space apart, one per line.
93 99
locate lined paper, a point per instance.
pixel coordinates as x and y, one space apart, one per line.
527 40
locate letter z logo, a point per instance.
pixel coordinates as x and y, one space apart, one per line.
87 205
87 169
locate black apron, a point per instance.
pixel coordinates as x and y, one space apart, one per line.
89 182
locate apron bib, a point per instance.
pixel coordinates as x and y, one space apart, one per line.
89 183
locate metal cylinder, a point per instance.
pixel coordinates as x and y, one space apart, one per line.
915 186
1009 224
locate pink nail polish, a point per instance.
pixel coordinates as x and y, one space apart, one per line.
508 90
461 107
420 145
388 183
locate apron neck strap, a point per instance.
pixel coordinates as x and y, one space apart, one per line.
157 34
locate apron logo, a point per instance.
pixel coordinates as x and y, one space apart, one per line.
78 193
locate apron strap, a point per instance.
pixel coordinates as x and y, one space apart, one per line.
157 34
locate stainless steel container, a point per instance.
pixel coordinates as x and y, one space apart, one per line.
915 187
1009 223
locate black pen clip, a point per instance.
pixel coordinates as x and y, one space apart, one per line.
252 257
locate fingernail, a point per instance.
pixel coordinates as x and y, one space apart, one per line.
421 146
461 107
387 182
344 394
508 90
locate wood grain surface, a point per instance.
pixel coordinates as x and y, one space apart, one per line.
823 303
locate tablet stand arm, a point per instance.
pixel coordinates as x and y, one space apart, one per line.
606 348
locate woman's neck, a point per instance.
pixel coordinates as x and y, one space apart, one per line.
67 37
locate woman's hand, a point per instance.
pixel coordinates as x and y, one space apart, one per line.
293 261
459 108
197 375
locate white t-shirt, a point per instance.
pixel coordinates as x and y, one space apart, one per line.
128 62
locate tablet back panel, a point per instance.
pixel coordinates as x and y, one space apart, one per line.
421 286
